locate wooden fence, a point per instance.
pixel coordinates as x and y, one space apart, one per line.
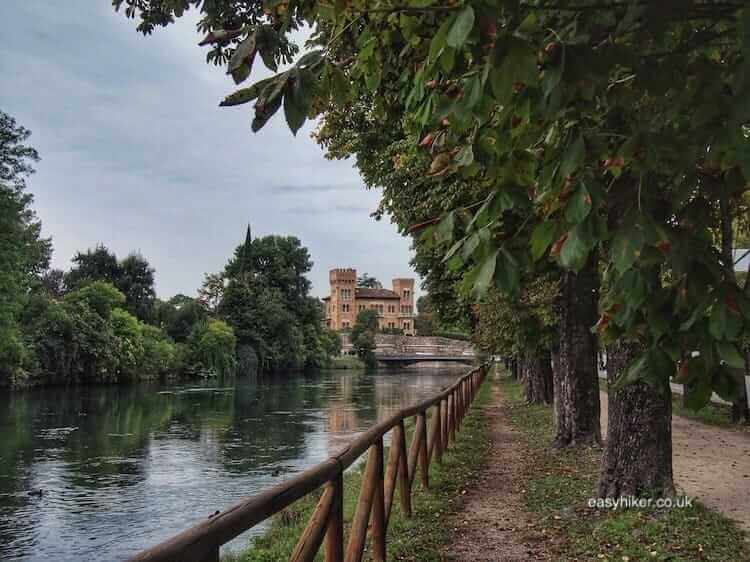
201 543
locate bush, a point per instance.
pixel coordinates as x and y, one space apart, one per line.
129 338
212 348
100 296
160 355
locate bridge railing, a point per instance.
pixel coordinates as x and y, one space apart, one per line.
430 439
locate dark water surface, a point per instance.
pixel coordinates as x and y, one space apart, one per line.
123 467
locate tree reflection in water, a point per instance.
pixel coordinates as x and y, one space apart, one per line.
122 467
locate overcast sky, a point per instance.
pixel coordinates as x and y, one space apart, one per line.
136 153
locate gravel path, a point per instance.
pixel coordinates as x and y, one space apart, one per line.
493 525
710 463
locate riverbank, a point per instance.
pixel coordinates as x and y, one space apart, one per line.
423 537
349 362
558 484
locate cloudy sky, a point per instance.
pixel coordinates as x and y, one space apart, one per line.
136 153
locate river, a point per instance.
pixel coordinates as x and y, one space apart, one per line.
100 472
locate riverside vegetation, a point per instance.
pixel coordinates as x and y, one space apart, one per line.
101 321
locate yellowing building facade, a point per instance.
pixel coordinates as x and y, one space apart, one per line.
395 307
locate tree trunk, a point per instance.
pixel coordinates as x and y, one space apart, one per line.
515 370
537 379
741 406
576 381
638 454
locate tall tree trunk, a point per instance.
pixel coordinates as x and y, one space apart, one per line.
537 380
576 382
638 454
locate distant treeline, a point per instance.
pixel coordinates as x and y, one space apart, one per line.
102 322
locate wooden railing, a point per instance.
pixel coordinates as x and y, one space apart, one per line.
201 543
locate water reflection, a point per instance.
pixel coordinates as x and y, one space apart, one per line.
98 473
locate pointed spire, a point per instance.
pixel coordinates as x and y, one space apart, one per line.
246 256
248 236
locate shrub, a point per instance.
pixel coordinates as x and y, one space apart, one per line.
129 341
100 296
160 355
212 348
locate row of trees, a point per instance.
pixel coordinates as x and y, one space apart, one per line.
599 149
102 322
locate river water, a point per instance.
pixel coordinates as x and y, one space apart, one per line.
100 472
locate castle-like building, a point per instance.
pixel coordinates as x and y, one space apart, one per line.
395 308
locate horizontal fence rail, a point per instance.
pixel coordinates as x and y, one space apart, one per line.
201 543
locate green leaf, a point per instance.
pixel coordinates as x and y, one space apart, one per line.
310 59
653 367
507 272
485 274
729 353
541 238
575 251
578 206
444 230
462 26
718 322
269 59
626 247
472 92
269 101
241 63
698 393
470 245
298 98
574 157
438 41
246 95
660 369
634 372
726 385
374 77
448 60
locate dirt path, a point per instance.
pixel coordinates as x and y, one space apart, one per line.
710 463
493 523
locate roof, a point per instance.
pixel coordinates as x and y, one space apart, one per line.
367 293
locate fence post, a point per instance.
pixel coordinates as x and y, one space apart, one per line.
378 508
416 446
424 455
335 528
404 490
367 493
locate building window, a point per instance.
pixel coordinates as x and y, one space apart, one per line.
345 308
380 308
345 324
361 307
406 326
391 325
407 293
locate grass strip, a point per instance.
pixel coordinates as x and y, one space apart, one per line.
560 482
